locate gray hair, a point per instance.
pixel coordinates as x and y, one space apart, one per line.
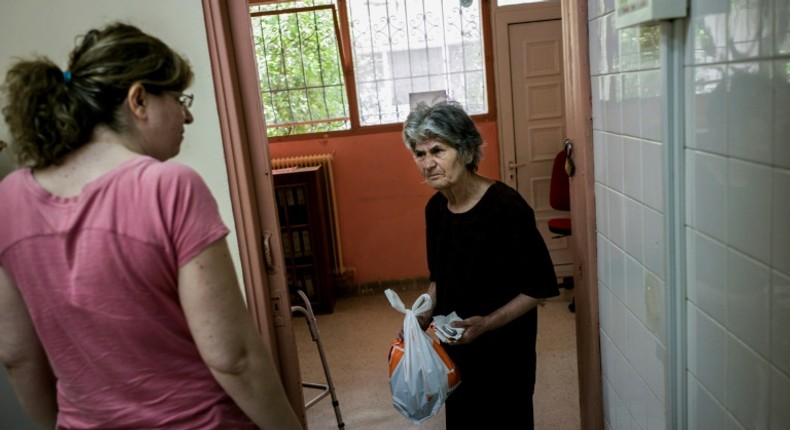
447 122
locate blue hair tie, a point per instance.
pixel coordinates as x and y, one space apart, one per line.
66 76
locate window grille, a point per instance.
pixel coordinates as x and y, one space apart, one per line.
407 46
300 67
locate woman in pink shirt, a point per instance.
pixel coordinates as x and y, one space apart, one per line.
119 304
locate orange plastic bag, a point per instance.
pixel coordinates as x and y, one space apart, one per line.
396 353
422 375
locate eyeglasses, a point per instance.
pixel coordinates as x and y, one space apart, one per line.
184 98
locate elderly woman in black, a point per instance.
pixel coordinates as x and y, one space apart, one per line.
488 263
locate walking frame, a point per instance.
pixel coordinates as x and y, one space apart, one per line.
327 389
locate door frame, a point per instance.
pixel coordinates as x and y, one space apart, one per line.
579 128
578 114
245 144
244 141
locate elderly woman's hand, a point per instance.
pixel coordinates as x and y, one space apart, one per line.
474 327
423 319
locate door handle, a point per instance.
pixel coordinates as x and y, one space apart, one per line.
568 145
570 168
513 166
268 255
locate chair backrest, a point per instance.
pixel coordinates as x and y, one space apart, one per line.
559 191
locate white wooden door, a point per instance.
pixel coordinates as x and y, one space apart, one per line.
539 122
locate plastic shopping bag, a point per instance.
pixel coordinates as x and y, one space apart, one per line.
422 375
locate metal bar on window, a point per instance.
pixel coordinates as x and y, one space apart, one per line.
293 10
321 72
318 121
301 65
284 65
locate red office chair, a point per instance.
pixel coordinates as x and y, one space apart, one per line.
560 199
560 196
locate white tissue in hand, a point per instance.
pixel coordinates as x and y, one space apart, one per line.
443 330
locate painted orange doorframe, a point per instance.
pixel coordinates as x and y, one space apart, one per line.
252 191
579 129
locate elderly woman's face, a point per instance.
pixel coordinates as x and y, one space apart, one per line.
439 163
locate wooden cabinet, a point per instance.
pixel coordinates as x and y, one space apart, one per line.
304 225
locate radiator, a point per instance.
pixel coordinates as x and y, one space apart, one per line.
325 161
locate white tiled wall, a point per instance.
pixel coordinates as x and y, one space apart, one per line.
738 214
628 131
736 195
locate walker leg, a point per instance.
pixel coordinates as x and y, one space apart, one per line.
329 387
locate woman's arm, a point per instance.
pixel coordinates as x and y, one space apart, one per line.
228 340
477 325
425 318
23 357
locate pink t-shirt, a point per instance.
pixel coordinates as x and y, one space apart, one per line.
99 274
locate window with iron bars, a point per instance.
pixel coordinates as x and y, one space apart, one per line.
343 65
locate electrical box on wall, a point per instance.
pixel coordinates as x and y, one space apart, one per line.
634 12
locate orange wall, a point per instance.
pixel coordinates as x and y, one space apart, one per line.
380 200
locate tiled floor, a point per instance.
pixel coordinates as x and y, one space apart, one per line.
356 339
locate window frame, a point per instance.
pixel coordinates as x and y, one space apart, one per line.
349 76
343 61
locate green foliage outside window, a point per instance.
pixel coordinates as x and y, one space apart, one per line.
302 84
